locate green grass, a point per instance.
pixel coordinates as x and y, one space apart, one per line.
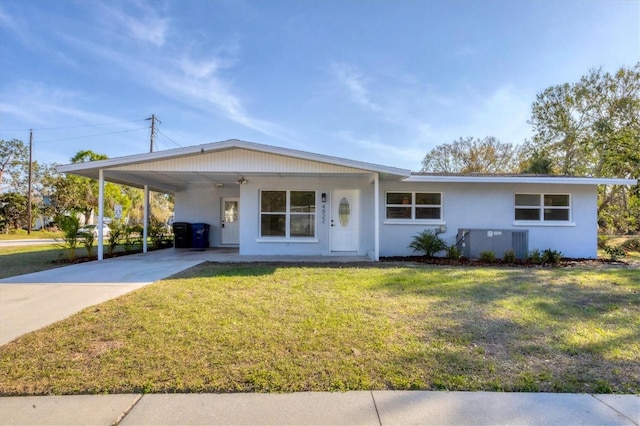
20 260
21 234
617 240
270 328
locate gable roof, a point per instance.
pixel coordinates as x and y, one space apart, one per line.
194 162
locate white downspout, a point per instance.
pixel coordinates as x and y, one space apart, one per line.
100 214
145 228
376 217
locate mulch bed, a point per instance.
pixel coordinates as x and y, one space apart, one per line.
83 259
443 261
440 261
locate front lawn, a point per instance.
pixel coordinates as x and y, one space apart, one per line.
18 260
21 234
275 328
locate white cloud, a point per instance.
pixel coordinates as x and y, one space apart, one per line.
196 80
412 118
44 105
395 152
199 84
355 83
147 26
20 28
503 114
7 20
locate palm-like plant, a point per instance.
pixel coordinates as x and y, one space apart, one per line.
428 243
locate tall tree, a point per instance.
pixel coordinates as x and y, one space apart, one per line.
14 157
469 155
592 128
78 194
83 192
13 211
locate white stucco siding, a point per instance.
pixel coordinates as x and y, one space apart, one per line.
201 204
486 206
237 161
252 244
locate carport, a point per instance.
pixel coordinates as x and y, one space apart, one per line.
316 205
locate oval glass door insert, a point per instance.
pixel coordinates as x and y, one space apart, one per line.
344 212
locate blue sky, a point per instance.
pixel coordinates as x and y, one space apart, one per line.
377 81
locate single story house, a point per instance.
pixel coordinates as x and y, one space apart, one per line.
268 200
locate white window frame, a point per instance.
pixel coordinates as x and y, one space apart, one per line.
541 208
288 213
412 220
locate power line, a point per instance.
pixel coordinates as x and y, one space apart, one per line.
74 127
90 136
171 140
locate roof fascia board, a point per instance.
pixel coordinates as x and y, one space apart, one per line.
522 179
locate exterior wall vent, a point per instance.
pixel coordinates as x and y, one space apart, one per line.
472 242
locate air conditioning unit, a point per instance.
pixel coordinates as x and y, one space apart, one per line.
472 242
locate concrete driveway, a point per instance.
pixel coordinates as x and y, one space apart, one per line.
32 301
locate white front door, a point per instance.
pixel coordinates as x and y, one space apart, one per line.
230 226
345 229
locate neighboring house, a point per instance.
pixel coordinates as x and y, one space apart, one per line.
267 200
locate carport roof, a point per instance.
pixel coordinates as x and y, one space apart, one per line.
119 169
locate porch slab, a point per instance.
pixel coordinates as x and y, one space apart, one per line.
232 255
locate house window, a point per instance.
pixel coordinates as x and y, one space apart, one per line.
288 214
414 206
543 207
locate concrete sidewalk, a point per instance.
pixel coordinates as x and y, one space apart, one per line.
350 408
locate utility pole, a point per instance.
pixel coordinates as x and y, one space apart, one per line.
29 184
147 204
152 138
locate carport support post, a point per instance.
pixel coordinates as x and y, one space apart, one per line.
100 213
145 227
376 217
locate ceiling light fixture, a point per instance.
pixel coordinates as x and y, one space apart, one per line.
241 181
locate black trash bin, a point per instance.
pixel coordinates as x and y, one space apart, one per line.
200 235
183 235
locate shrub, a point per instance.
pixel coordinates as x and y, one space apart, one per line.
428 243
117 231
488 256
551 256
70 226
88 239
632 244
453 252
535 256
509 256
615 252
157 232
132 236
